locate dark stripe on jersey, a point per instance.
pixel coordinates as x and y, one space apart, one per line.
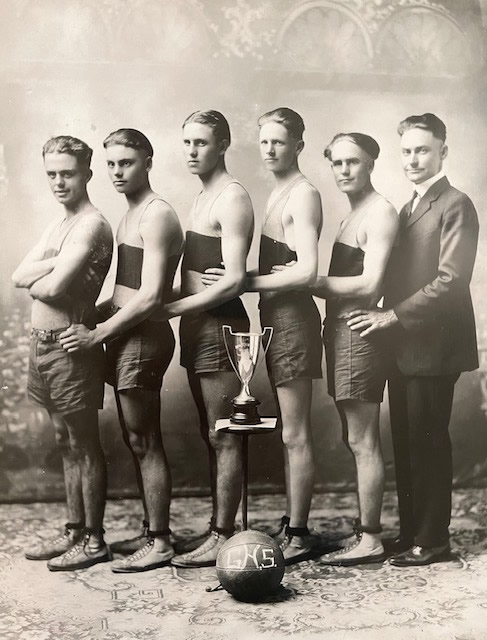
346 260
129 267
201 252
273 252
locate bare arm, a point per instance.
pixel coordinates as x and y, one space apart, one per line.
70 261
33 266
157 230
233 212
304 209
381 230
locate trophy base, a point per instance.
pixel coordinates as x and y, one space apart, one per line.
245 414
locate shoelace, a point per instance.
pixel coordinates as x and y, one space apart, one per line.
206 546
59 540
80 546
143 551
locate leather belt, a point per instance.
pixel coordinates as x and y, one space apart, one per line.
47 335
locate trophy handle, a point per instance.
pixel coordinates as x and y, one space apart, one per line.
266 338
227 331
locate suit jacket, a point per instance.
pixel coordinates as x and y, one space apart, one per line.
427 284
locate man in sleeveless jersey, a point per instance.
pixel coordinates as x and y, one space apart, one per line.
139 341
429 317
70 386
222 224
356 366
291 230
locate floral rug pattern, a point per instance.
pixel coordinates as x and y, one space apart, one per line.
445 601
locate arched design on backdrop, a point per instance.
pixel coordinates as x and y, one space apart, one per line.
325 36
423 41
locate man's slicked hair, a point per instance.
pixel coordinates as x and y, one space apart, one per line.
130 138
67 144
362 140
428 122
213 119
289 119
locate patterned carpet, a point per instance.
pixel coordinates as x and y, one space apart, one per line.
445 601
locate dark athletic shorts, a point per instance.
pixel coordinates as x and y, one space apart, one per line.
356 366
139 358
65 382
295 350
202 346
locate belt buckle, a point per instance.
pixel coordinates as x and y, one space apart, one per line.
45 335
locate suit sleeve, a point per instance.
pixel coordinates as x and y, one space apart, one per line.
458 246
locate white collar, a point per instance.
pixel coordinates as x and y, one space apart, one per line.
422 188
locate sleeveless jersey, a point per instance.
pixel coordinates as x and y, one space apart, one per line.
131 256
203 250
77 305
347 259
273 247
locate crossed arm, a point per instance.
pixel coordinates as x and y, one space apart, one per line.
233 213
157 231
48 280
33 266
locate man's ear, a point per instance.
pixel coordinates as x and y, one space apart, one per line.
148 163
444 151
224 144
299 147
89 175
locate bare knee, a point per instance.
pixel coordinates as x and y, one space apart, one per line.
62 439
223 441
61 433
138 443
362 445
297 438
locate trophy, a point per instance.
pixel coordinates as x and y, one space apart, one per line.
243 351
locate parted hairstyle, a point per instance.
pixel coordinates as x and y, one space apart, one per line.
362 140
213 119
130 138
289 119
67 144
428 122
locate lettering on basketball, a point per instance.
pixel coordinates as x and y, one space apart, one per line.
241 557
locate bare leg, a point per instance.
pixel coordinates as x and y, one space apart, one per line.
72 473
126 439
285 451
141 414
217 391
363 439
360 423
295 408
84 439
195 386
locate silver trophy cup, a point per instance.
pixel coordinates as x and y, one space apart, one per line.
243 351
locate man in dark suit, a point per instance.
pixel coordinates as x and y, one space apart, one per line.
429 317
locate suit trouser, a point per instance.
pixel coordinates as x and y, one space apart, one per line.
420 408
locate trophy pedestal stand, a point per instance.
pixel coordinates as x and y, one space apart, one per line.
244 431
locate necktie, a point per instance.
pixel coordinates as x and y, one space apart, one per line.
414 201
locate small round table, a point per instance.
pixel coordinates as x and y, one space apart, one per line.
267 425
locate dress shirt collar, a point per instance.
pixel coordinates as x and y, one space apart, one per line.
422 188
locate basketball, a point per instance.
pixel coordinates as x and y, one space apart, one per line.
250 565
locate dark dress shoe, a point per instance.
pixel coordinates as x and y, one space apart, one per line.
397 545
420 556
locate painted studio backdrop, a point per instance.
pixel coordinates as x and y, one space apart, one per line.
87 67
